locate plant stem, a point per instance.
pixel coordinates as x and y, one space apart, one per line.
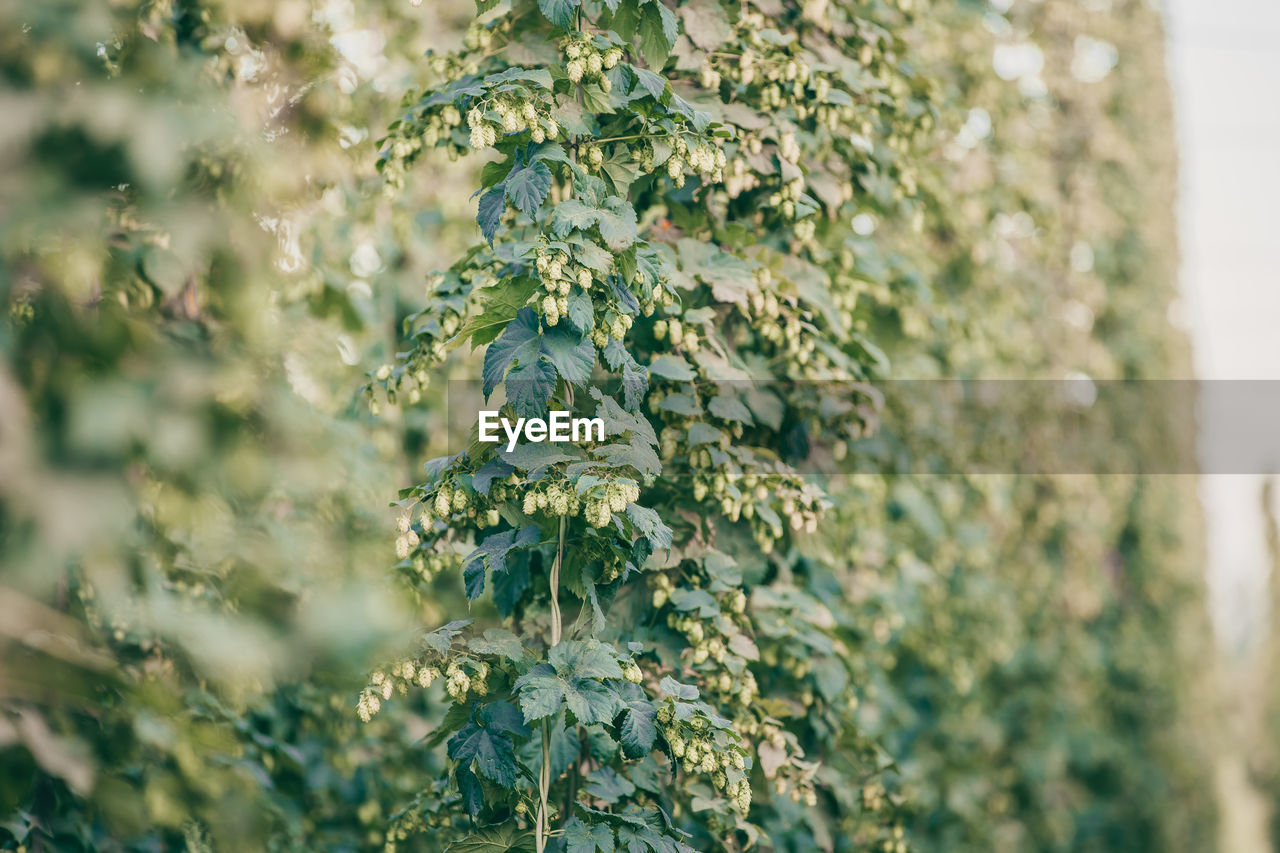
555 584
544 778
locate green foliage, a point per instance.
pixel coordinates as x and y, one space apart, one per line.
679 639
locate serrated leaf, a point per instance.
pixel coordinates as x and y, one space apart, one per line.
605 784
585 658
626 19
590 255
518 343
571 678
559 12
492 470
492 173
492 554
490 751
638 456
541 692
534 457
501 839
552 152
638 731
672 367
538 76
627 301
671 687
635 378
572 214
571 352
581 311
618 421
580 837
700 433
695 599
706 23
681 404
650 525
502 303
654 84
489 212
530 385
441 638
618 224
528 186
596 100
728 407
508 586
657 31
500 642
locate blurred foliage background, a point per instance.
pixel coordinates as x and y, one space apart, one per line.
200 268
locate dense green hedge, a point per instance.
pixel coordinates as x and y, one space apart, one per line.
204 271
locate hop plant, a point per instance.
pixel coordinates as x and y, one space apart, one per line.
580 277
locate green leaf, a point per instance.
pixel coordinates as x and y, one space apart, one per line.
654 84
705 23
589 189
519 343
592 702
552 152
638 731
493 172
502 717
605 784
530 385
618 224
619 422
527 187
492 554
672 687
672 367
635 378
728 407
657 30
581 312
572 214
532 458
539 76
500 642
586 659
626 19
582 838
700 433
559 12
590 255
489 750
441 639
636 455
596 100
501 839
571 352
489 212
572 679
681 404
503 301
541 692
650 525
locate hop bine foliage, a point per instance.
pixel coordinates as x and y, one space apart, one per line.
679 641
665 207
